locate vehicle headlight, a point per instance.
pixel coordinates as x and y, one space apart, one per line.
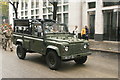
66 48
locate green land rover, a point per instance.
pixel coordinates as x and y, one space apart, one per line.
51 39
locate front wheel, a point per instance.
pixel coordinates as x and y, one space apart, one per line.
21 52
53 60
81 60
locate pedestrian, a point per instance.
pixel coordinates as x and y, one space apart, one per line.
84 33
87 33
75 32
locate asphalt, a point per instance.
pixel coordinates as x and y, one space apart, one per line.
98 65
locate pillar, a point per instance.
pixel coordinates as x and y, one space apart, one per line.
99 29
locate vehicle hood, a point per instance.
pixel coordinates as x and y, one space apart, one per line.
71 40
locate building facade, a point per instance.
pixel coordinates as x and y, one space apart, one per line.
101 16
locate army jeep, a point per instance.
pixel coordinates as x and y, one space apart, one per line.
51 39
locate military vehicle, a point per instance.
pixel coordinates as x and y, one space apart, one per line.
51 39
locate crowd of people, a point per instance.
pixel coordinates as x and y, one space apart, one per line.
84 33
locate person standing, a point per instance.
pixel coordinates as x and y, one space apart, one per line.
87 33
75 32
84 33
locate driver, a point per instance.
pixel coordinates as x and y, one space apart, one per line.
47 29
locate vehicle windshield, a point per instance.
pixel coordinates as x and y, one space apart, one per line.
51 27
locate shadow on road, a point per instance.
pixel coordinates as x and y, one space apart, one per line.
65 66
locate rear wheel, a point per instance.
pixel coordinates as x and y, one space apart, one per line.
21 52
81 60
53 60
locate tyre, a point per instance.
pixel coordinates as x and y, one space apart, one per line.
53 60
21 52
81 60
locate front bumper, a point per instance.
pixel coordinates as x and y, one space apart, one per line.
70 57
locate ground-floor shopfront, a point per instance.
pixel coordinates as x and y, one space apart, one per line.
111 25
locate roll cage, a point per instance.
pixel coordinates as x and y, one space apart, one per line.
25 26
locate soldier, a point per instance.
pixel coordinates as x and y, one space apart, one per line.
7 37
9 34
4 39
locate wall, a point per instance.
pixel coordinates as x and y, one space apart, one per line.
74 14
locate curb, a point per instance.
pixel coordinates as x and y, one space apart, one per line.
94 49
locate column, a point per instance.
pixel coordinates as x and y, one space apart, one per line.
74 14
99 29
29 9
10 14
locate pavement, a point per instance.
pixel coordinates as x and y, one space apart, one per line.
107 46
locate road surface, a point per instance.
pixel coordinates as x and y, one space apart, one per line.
98 65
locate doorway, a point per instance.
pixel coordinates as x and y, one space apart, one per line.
110 26
92 26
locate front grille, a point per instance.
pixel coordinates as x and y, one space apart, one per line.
76 48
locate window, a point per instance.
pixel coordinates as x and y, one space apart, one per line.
32 4
50 16
26 5
37 4
44 3
59 2
59 9
26 17
65 8
59 18
65 1
22 5
49 4
49 9
22 13
37 17
37 30
51 27
66 18
32 17
37 11
26 13
105 4
22 17
44 17
44 10
92 5
32 12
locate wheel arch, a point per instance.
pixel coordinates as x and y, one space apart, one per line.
19 41
54 48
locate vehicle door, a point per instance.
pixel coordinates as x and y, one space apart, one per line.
37 43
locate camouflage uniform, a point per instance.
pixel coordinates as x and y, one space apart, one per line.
7 38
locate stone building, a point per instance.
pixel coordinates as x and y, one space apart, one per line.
101 16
